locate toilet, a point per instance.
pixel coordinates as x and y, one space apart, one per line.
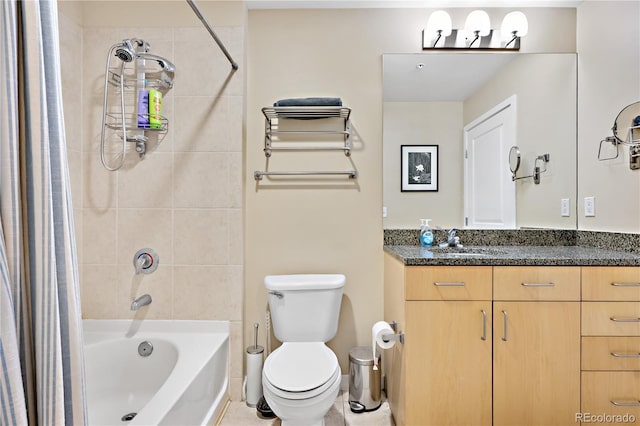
301 379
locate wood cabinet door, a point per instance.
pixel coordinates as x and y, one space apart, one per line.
536 369
448 360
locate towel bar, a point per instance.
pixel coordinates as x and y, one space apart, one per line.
259 174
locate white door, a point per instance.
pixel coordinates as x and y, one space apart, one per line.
489 191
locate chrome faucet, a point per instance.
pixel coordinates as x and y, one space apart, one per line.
452 240
141 301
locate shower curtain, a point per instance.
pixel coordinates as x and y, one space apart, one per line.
42 376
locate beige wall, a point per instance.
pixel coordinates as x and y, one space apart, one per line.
185 200
608 40
424 123
298 53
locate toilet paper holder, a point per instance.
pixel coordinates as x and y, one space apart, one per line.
397 336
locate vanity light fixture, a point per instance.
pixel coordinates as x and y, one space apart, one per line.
514 26
477 25
477 33
438 27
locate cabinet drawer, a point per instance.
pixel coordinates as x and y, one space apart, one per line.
536 283
611 353
611 283
448 283
614 393
610 319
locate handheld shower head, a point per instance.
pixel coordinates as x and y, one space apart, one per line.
127 50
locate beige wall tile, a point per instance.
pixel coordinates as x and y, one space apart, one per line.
237 349
210 284
201 180
235 389
236 245
158 285
204 73
236 176
98 184
99 236
235 292
147 184
201 123
140 228
79 230
99 291
74 159
201 237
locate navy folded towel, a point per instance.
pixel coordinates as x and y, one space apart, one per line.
308 102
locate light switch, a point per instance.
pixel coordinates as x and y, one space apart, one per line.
564 207
589 206
384 211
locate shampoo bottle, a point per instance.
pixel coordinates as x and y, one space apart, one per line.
155 109
426 236
143 109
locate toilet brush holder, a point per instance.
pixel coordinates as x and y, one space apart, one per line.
254 360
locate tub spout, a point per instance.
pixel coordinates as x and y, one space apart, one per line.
141 301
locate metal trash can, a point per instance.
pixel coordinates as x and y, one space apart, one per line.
365 387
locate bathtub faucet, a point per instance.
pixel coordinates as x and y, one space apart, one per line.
141 301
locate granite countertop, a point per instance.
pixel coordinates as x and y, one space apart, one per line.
524 255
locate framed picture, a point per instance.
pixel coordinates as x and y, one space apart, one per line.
419 167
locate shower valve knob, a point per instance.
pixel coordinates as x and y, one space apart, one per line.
145 261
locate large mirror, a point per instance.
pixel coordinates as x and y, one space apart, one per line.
457 116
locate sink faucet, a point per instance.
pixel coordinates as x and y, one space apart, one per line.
452 239
141 301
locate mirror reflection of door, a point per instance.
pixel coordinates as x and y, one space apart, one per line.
489 191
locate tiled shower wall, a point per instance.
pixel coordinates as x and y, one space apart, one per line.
184 200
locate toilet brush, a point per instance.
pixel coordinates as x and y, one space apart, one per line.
254 370
263 407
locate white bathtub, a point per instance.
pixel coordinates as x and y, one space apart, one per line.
183 382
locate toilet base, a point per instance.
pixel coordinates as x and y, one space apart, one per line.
305 412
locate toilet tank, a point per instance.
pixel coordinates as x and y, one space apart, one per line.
305 308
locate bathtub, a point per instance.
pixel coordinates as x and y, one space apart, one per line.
183 381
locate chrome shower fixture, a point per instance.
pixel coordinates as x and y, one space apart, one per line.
168 69
127 52
137 72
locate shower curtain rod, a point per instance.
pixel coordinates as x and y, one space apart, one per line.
234 65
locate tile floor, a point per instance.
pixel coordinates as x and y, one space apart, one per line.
238 414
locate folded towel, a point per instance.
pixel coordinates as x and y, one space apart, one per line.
309 102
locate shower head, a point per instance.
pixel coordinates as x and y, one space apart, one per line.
167 68
126 51
165 64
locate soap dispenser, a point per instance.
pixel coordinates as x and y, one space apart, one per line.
426 235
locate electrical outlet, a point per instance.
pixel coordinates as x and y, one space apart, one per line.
564 207
589 206
384 211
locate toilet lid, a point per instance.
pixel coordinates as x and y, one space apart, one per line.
300 366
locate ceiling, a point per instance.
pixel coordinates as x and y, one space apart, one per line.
348 4
451 80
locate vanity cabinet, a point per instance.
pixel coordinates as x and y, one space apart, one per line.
448 357
536 345
483 345
611 341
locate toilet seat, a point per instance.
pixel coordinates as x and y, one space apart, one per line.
300 370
